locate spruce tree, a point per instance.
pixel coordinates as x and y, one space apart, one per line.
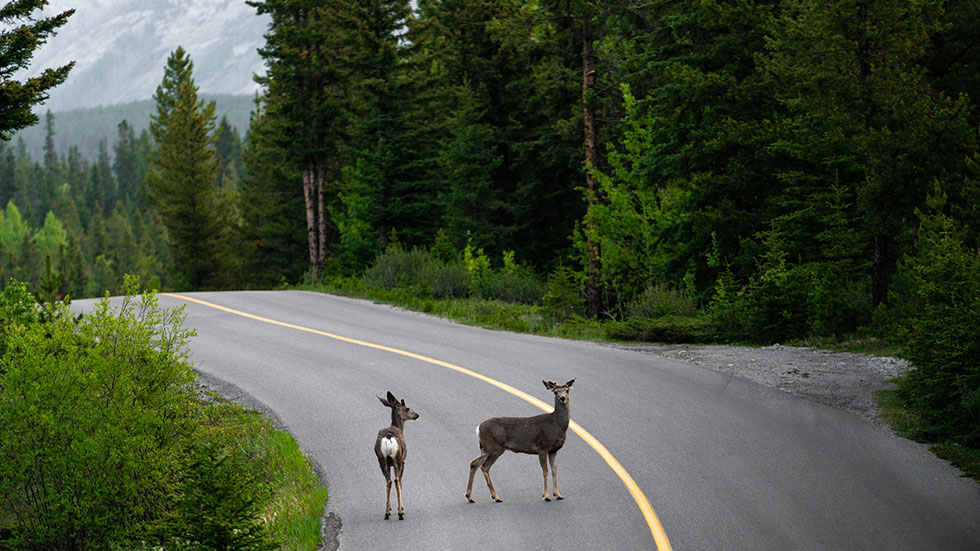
21 33
180 184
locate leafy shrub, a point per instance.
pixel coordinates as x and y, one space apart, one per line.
665 329
95 412
663 300
105 445
943 386
519 286
396 267
447 279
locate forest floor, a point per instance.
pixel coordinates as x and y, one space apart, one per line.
843 380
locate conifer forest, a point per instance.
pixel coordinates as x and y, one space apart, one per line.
696 170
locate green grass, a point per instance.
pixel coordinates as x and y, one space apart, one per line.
906 424
490 314
290 491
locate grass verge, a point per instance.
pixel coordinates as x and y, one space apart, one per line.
906 424
290 494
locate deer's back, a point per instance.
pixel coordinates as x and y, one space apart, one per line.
522 434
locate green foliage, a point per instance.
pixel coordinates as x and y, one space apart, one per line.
95 414
105 444
397 267
201 219
663 300
666 329
217 507
943 387
443 249
564 298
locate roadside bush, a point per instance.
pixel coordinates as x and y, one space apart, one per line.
669 329
95 413
943 386
396 267
447 279
519 286
663 300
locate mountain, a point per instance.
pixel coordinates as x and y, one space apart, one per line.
87 127
120 48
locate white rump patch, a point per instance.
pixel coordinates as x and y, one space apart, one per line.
389 447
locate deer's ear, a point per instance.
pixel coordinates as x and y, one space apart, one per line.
570 383
550 385
385 402
403 402
391 398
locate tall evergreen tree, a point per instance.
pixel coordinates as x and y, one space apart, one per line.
21 33
862 115
304 53
274 239
180 184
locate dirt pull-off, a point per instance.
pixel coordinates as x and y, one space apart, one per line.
840 379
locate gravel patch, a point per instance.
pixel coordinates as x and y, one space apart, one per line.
842 380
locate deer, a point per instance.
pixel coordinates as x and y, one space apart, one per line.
542 434
391 449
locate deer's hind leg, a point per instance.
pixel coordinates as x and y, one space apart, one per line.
474 465
399 470
386 470
491 458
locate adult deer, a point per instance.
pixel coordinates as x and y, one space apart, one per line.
543 435
391 449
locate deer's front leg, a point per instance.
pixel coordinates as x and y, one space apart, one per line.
553 459
543 458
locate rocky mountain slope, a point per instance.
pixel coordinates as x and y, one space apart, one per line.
120 48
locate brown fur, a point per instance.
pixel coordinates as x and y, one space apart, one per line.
541 435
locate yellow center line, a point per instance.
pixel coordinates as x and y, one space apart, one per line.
656 529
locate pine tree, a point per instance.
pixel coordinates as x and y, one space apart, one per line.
860 114
180 184
273 231
21 33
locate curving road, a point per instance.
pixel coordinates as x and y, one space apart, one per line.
725 463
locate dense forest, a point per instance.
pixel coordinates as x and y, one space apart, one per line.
782 169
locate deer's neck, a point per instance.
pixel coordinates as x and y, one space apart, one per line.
561 414
398 422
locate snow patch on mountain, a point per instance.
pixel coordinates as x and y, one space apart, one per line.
120 48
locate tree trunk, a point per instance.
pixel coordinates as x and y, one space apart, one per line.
309 196
880 277
594 299
322 213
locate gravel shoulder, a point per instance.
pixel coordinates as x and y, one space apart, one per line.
842 380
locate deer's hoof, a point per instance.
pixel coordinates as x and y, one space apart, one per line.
498 500
401 516
559 497
470 500
387 516
547 499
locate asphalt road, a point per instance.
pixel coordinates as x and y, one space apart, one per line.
724 462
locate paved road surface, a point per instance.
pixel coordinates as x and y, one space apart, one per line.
725 463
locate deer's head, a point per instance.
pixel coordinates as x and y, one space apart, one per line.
398 408
561 391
